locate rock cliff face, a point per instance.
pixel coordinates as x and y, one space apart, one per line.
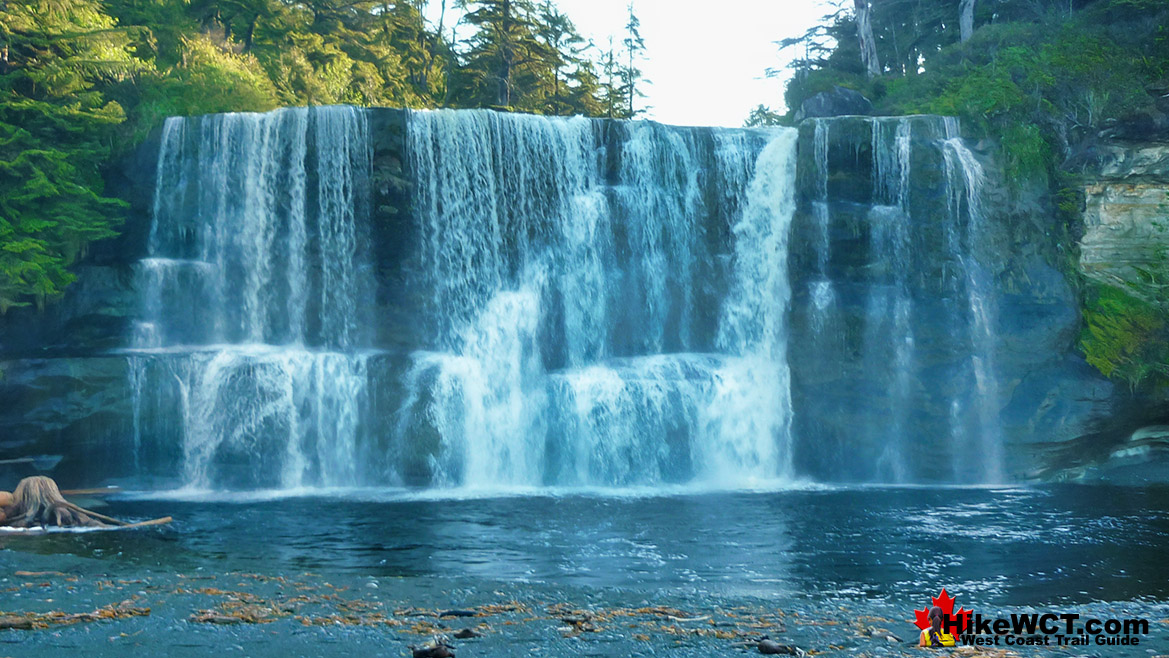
932 303
1126 219
67 387
935 327
1124 262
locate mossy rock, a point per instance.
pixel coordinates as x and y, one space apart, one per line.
1125 337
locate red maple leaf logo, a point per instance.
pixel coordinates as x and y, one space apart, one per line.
946 603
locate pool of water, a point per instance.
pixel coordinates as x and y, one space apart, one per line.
815 551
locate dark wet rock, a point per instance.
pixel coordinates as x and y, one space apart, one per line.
1140 457
838 101
75 407
439 649
771 647
880 634
94 315
457 613
467 633
222 620
1152 124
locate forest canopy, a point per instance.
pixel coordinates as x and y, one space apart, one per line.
1038 76
81 81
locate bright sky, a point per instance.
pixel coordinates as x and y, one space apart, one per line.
707 60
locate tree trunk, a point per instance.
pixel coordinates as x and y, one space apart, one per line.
631 81
504 91
966 19
556 90
250 38
864 34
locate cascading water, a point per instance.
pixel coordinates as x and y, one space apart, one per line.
896 379
562 259
965 181
583 303
823 292
889 341
252 289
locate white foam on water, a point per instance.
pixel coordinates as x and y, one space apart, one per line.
440 494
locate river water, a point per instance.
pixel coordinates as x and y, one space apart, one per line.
830 561
589 431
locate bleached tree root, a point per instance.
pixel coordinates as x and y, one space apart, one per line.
38 502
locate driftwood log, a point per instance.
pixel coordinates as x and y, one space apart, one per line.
38 502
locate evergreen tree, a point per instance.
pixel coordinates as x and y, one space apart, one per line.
585 89
56 129
763 116
563 46
83 80
630 75
611 95
503 58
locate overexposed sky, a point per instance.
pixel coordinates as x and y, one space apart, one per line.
706 60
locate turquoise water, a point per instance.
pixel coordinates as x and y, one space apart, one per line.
849 558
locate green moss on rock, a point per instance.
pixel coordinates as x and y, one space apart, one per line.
1125 337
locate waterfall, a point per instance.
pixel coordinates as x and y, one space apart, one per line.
823 292
889 340
251 296
573 302
560 260
753 399
965 181
896 378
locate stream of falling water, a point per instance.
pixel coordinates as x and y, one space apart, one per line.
251 293
533 227
965 180
598 303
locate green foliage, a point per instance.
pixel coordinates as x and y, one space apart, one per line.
83 80
1035 76
1124 337
209 79
504 59
529 57
763 116
52 207
1027 156
1034 89
56 128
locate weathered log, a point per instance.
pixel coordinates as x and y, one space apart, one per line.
102 491
15 623
145 524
